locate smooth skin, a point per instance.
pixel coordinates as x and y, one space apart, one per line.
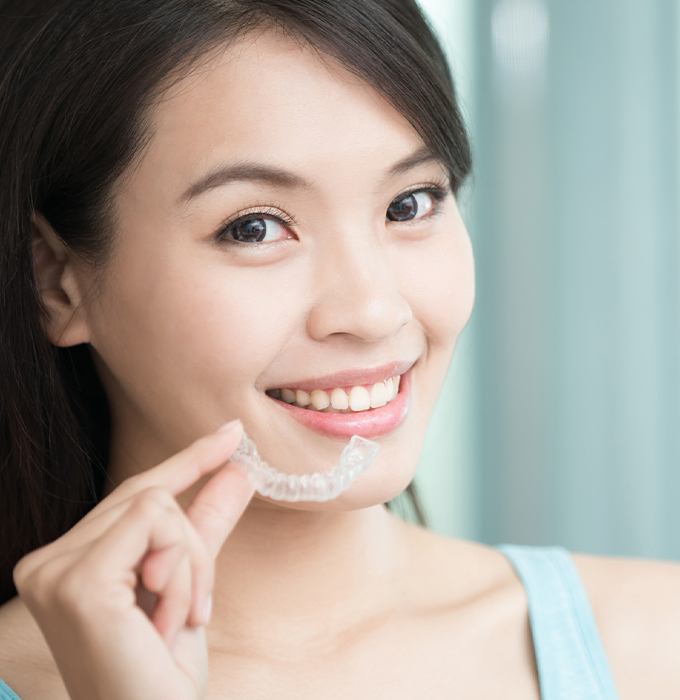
333 599
107 639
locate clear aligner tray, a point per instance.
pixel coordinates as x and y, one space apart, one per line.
355 458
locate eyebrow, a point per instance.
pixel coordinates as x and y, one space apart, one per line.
223 174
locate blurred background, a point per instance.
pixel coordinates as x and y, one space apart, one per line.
559 422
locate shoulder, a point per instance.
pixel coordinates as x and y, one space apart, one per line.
26 662
635 602
636 605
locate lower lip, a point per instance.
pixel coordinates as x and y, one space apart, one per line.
368 424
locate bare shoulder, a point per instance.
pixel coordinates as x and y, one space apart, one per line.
636 604
26 662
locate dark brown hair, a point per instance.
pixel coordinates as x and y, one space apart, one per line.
77 79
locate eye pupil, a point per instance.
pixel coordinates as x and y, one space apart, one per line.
252 230
403 209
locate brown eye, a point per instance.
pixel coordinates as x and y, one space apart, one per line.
408 206
252 229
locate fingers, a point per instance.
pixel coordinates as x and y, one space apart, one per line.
217 507
178 472
162 538
174 603
210 519
158 566
140 528
186 467
152 521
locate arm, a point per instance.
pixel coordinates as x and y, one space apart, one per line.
636 603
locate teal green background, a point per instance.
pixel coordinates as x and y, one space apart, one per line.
559 421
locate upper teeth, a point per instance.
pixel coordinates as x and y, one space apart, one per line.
356 398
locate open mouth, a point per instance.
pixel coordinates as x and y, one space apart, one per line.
348 399
359 417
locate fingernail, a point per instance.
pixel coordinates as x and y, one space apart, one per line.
232 425
207 610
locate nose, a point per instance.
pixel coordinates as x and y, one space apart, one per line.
358 291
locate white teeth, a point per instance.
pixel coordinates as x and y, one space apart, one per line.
320 399
378 395
339 399
359 398
302 398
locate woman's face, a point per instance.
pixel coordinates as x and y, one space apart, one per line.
189 332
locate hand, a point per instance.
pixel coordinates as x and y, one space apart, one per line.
119 596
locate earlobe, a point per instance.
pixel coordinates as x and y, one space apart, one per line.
56 282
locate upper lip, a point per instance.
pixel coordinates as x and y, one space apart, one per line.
351 377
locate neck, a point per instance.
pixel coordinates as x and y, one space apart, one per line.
288 575
293 579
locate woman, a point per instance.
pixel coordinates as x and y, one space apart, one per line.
206 204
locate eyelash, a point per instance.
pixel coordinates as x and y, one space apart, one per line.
439 189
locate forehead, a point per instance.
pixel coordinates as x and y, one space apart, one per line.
271 98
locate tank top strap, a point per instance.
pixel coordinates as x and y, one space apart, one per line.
570 657
6 693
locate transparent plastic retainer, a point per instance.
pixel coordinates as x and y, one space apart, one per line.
356 457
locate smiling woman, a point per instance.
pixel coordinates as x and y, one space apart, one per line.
242 209
82 146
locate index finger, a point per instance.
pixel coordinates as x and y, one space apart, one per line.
178 472
219 504
184 468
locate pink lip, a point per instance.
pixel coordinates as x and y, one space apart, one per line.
368 424
349 378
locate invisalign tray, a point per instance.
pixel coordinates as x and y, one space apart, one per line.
356 457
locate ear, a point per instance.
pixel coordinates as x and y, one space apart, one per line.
54 268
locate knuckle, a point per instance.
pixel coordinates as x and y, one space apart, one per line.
68 589
209 512
46 585
21 570
130 485
29 572
155 499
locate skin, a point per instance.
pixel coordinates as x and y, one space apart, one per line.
345 290
188 333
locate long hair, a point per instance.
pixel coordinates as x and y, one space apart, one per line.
77 78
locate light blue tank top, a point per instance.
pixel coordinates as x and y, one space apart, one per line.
569 654
570 658
6 693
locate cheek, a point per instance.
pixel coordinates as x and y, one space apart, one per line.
440 284
173 326
220 321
